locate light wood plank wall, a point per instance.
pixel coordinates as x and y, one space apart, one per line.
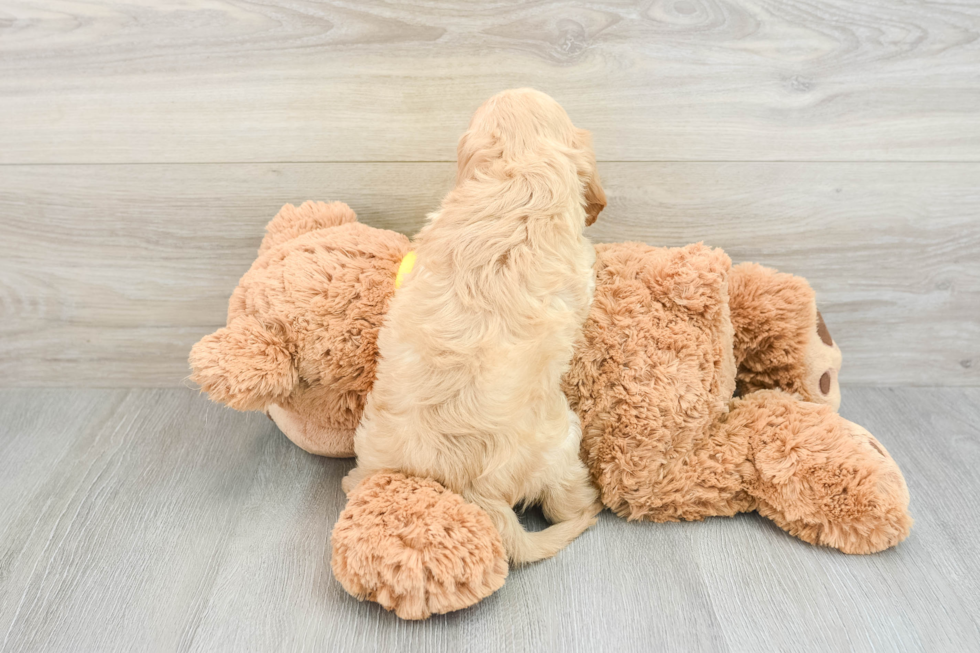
144 145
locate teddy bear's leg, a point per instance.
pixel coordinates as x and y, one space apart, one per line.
818 476
293 221
781 341
415 547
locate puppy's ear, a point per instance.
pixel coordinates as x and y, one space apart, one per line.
594 196
475 151
595 199
245 365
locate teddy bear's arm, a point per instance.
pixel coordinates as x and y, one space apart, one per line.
245 365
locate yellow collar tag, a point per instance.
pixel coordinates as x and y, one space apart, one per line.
404 268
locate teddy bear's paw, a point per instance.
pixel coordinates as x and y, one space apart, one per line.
822 362
415 547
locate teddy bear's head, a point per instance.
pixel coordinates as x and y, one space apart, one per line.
300 342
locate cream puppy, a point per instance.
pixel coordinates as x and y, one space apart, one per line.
480 333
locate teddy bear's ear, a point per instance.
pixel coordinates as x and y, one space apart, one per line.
294 221
245 365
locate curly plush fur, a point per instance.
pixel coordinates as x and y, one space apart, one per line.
301 340
655 371
670 334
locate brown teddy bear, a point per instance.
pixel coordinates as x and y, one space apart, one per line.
703 390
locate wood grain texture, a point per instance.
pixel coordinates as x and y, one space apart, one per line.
153 520
108 274
227 80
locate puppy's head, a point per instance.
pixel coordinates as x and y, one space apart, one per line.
518 124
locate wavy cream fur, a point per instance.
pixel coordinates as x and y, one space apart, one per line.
479 335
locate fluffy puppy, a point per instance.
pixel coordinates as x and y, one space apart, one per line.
481 331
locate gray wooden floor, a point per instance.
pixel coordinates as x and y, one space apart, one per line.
153 520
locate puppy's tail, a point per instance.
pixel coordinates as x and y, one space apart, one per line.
523 546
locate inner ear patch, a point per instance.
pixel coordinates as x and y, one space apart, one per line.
823 331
